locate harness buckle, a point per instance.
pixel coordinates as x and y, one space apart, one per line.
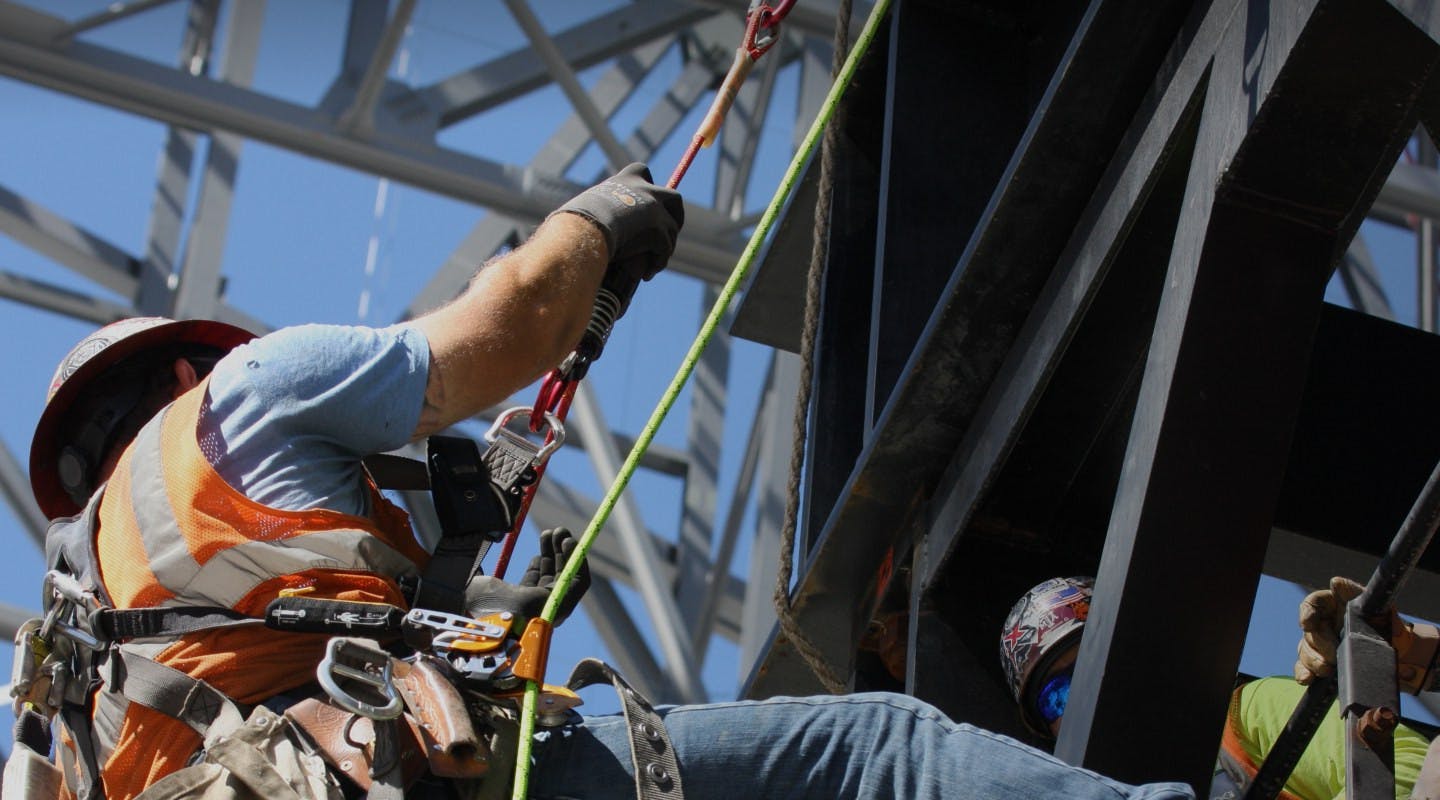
363 662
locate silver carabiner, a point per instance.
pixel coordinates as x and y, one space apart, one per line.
542 453
357 660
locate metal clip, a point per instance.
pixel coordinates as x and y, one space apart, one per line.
28 682
363 662
452 629
66 597
538 454
477 649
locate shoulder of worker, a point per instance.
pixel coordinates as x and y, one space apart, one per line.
358 384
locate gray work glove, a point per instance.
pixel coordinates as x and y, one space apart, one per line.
486 595
639 220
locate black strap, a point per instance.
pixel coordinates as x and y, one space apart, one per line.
170 691
115 624
475 506
387 780
32 730
652 755
82 759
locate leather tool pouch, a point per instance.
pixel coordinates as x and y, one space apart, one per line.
347 741
436 733
443 722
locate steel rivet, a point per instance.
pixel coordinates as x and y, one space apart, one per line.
656 772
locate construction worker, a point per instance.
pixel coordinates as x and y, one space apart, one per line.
1038 648
1416 645
196 471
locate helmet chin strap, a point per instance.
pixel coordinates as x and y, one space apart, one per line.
82 455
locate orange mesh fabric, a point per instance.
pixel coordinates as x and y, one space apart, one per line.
249 664
1232 745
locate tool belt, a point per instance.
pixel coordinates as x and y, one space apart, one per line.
435 732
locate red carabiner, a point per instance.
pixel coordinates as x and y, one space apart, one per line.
551 392
762 26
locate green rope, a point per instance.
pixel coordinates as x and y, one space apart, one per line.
687 366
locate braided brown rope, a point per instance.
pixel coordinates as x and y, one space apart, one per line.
811 654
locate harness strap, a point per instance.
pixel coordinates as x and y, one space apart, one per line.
657 770
80 760
387 778
173 693
111 624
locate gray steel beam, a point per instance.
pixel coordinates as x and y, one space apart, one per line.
704 436
612 620
815 58
706 423
133 84
484 87
12 617
359 117
364 29
1425 245
759 611
39 294
640 552
1308 561
67 244
15 488
496 231
198 292
112 13
1215 414
816 19
559 505
172 185
718 574
564 75
1410 190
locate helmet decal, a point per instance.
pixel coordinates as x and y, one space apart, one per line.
1039 627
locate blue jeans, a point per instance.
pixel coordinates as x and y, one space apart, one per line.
852 746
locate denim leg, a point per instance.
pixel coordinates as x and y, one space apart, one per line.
881 746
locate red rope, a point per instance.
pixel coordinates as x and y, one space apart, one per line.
684 165
557 392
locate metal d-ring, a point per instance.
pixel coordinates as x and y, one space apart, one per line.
557 433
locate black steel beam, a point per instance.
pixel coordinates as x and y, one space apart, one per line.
1307 106
1075 127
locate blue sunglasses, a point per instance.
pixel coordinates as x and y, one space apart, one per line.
1053 697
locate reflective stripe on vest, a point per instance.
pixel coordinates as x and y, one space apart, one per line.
205 543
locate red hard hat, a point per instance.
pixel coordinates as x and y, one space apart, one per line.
84 363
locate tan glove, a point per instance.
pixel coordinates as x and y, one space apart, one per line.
1322 614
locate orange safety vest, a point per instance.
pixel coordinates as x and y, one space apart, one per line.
172 532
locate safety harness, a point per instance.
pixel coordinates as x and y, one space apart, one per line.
403 693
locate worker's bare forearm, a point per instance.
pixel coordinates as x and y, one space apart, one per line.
522 313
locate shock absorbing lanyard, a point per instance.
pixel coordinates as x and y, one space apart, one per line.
761 33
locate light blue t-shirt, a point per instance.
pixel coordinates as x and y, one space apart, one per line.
290 415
